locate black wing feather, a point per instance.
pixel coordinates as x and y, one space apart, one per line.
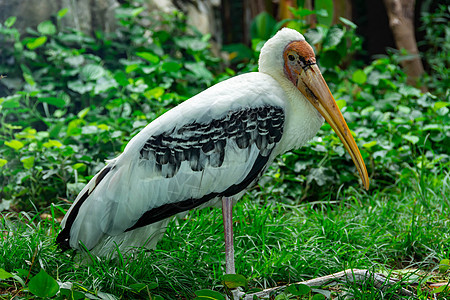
205 144
63 237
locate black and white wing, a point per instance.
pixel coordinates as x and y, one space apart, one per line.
216 144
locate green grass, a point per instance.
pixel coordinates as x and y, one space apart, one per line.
276 243
55 135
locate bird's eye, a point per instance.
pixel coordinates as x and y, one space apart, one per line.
291 57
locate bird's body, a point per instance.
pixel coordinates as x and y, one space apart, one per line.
216 144
133 184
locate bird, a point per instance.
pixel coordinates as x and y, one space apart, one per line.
209 149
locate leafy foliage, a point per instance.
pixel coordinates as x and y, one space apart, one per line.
43 285
398 128
437 45
70 101
275 244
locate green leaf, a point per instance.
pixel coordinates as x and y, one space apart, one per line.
442 288
28 162
444 265
106 296
121 78
282 296
432 127
348 22
333 37
80 87
318 297
21 272
58 102
299 289
11 102
136 11
319 175
34 43
15 144
152 285
5 275
341 103
27 133
131 68
52 143
150 57
156 93
440 104
262 26
199 70
72 295
46 28
92 72
314 35
369 144
103 127
80 167
3 162
74 127
411 138
43 285
409 91
29 79
193 44
359 77
103 84
83 112
75 61
10 21
404 109
367 111
302 12
330 59
61 13
13 127
171 66
328 6
234 280
209 294
322 13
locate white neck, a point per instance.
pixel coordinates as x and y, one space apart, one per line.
302 121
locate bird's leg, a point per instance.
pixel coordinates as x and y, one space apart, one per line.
227 211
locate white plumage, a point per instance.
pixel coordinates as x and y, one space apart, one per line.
218 143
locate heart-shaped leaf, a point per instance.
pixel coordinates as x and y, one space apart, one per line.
43 285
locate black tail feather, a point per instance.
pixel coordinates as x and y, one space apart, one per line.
63 238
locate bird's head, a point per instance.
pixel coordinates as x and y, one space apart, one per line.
287 55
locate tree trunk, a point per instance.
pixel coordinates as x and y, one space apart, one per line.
401 21
84 15
342 8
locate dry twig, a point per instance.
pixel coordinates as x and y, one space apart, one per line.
380 281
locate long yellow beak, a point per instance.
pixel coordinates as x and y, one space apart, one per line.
311 83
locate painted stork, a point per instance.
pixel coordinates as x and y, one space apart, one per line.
215 145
